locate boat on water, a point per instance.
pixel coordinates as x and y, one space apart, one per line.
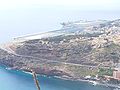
93 83
8 68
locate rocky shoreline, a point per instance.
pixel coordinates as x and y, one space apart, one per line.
94 83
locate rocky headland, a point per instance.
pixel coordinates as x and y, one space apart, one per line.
77 50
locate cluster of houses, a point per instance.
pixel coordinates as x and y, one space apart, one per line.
115 76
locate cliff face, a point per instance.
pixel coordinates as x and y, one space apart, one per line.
77 50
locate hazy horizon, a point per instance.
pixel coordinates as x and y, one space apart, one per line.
19 18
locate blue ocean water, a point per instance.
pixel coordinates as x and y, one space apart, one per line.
17 80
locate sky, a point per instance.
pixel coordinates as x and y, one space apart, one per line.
25 17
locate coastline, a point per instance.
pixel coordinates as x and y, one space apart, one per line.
94 83
24 80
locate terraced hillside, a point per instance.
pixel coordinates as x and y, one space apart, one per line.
77 50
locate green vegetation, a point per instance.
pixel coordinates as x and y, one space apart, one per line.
81 71
105 71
